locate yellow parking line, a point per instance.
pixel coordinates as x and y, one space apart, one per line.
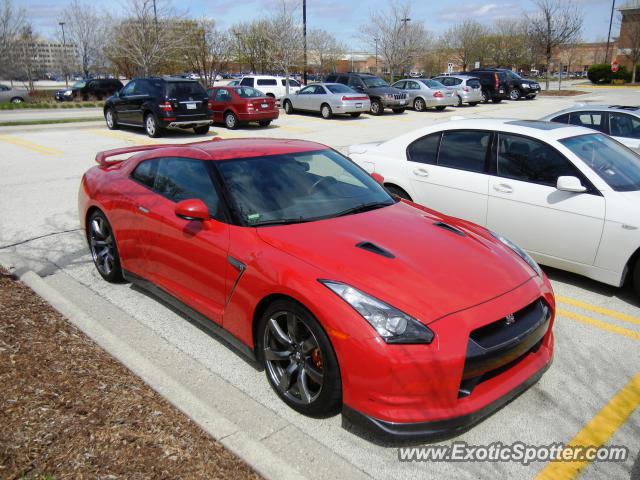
20 142
598 431
604 311
599 324
137 139
295 129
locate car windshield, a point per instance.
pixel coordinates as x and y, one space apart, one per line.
339 88
613 162
248 92
80 84
432 83
299 187
373 82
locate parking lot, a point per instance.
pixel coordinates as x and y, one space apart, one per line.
597 327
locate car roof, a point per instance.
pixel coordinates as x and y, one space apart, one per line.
580 107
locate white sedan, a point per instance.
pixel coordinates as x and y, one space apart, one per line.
570 196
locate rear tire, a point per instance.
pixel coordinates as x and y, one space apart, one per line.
355 114
473 104
17 100
110 119
288 108
376 107
104 251
398 192
230 121
325 111
151 126
441 107
201 130
264 123
419 105
514 95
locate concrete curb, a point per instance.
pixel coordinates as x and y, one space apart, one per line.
253 452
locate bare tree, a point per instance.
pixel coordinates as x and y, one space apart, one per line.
324 50
251 44
400 41
85 30
467 41
285 39
25 56
12 23
208 50
556 22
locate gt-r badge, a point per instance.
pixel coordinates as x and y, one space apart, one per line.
510 319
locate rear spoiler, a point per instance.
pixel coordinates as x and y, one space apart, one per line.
102 157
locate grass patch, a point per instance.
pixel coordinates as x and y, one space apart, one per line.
560 93
52 121
49 104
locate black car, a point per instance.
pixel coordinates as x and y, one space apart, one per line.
95 88
503 84
381 94
159 102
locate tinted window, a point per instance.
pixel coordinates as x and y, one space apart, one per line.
529 160
248 92
128 90
3 88
145 172
474 83
267 81
307 90
355 82
401 84
433 83
185 89
222 95
155 87
373 82
247 81
332 79
562 118
292 83
339 89
587 119
464 150
425 149
343 79
623 125
181 178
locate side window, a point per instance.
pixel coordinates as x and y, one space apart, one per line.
425 149
464 150
142 88
222 95
180 179
145 172
307 90
343 79
561 118
355 81
456 81
413 86
592 120
247 82
623 125
401 85
331 79
320 90
267 81
529 160
447 81
128 90
4 88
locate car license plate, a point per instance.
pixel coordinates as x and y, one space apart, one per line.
264 105
191 106
501 91
402 102
358 105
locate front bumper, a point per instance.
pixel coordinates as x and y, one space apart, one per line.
395 103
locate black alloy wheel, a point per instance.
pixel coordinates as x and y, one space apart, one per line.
104 250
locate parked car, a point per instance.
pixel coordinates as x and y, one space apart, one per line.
619 121
494 82
13 95
423 93
327 99
381 94
156 103
521 87
274 87
97 88
233 83
307 265
568 195
467 88
238 105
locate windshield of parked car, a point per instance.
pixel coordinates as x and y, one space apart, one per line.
613 162
248 92
185 89
432 83
339 88
80 84
373 82
299 187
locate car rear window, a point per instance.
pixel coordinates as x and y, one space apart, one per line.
267 81
185 89
473 83
338 88
248 92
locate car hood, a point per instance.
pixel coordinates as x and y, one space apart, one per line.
383 90
434 271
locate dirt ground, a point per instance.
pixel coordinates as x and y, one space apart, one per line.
69 410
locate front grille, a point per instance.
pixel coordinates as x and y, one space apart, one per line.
504 341
399 96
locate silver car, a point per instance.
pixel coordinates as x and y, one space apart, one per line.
468 88
328 99
619 121
13 95
424 93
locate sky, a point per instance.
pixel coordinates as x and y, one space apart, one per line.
343 18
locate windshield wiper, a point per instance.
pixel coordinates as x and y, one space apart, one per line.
279 221
364 207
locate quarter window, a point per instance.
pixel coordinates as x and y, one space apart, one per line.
145 173
128 90
464 150
222 95
562 118
623 125
529 160
247 82
588 119
425 149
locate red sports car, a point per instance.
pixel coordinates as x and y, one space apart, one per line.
412 322
234 106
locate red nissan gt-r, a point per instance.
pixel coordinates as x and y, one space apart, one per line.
413 323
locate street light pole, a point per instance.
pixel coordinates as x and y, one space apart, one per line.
404 21
304 37
606 55
64 55
376 40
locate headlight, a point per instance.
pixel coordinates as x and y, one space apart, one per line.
525 85
391 324
68 92
520 252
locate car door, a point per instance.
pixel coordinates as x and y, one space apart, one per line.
220 101
5 93
189 258
124 104
525 206
301 99
320 96
625 128
448 172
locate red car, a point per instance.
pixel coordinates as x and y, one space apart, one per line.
412 322
234 106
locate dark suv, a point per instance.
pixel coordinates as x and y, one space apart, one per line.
157 103
502 84
381 94
97 88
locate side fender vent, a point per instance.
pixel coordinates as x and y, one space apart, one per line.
373 248
446 226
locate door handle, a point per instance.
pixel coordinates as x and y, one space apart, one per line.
142 209
503 188
421 172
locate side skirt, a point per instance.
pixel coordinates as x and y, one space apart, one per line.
200 319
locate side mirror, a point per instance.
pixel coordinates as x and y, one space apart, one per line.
378 178
570 184
192 209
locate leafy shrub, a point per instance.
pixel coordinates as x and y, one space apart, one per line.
599 73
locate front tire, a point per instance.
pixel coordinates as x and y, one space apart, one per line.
514 95
376 107
459 101
299 360
288 107
110 119
17 100
325 111
398 110
201 130
151 126
104 251
636 277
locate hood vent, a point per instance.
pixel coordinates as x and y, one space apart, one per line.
446 226
373 248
